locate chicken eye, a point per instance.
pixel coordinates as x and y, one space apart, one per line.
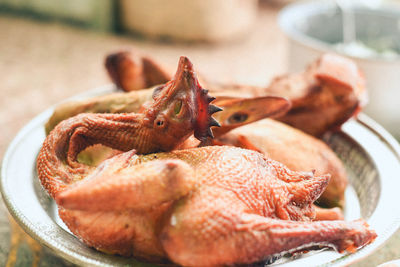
160 123
237 117
178 107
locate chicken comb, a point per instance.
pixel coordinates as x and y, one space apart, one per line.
204 121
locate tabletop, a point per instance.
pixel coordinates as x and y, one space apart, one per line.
42 63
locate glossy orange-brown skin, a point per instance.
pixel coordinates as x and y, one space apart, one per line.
328 93
324 96
132 71
111 103
179 109
297 150
205 206
57 160
234 207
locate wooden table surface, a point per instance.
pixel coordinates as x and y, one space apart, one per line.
42 63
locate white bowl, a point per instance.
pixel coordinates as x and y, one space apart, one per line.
314 27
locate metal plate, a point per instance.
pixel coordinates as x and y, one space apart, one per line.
370 154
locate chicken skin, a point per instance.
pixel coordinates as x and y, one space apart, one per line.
328 93
133 71
181 108
324 96
300 152
206 206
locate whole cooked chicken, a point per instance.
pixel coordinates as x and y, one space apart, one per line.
206 206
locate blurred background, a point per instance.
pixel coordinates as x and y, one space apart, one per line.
52 49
